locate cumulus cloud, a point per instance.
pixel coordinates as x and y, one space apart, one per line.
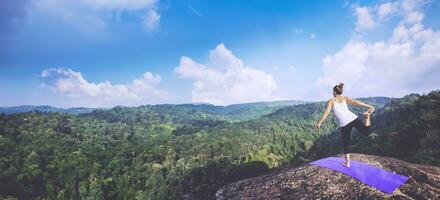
92 16
151 20
386 9
368 18
224 79
72 84
413 17
364 18
408 61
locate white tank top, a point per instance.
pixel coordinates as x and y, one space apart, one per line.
341 111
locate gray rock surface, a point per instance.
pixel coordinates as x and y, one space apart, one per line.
313 182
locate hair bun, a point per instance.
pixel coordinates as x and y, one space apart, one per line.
338 89
341 85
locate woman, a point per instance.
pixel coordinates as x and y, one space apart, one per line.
347 119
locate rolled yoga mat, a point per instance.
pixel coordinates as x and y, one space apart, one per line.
376 177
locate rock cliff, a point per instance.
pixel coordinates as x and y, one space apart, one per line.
313 182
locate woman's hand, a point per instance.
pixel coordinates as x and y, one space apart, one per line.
318 125
371 109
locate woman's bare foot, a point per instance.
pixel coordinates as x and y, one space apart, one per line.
368 113
367 116
347 164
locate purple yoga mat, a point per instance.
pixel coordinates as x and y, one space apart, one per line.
376 177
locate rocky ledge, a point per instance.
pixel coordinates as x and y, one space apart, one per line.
313 182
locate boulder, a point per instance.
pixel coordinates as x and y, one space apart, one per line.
313 182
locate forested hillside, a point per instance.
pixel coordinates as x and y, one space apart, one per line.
233 112
107 153
186 151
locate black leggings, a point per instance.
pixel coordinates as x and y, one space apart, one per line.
346 132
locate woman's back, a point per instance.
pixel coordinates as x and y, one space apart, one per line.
342 112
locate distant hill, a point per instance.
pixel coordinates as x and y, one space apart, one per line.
179 114
45 108
233 112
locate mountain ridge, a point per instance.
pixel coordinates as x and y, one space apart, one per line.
46 108
82 109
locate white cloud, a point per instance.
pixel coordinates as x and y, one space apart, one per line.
151 20
408 61
72 84
414 17
91 17
224 79
364 18
312 36
410 5
368 18
386 9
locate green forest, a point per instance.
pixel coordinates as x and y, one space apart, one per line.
189 151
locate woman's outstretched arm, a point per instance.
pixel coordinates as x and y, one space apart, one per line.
325 114
359 103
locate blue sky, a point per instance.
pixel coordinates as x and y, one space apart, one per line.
105 53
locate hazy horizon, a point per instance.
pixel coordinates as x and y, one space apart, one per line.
195 103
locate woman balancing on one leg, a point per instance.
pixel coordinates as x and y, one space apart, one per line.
347 119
